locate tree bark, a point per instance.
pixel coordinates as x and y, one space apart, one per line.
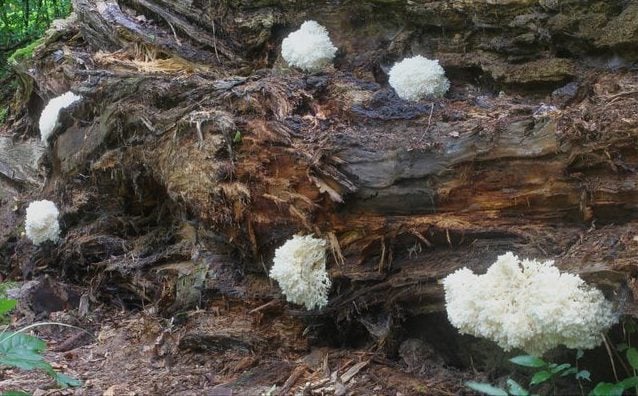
149 174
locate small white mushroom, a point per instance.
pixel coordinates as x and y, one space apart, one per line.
51 112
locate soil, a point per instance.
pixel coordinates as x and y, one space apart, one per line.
221 350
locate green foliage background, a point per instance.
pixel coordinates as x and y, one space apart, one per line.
22 22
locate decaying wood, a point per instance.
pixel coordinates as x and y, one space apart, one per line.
197 149
19 160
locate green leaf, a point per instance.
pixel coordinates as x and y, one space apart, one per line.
579 354
540 377
622 347
25 352
65 381
630 326
13 342
571 370
516 389
560 368
237 137
629 383
6 305
486 388
632 357
25 363
607 389
583 374
14 393
528 361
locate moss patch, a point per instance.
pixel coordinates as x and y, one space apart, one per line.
24 52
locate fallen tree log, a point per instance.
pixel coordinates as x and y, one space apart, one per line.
197 151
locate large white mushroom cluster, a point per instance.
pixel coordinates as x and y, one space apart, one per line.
527 304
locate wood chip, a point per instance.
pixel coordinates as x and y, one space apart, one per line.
290 382
352 371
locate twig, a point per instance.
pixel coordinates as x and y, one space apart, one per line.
611 356
381 260
215 43
622 94
336 249
25 328
622 362
264 306
174 33
628 338
352 371
266 270
429 121
420 237
292 379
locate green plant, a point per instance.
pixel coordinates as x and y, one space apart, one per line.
3 114
25 52
24 351
547 372
4 286
22 21
543 372
617 389
514 388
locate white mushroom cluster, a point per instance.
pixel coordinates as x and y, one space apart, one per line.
51 112
417 78
299 267
308 48
527 304
42 222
